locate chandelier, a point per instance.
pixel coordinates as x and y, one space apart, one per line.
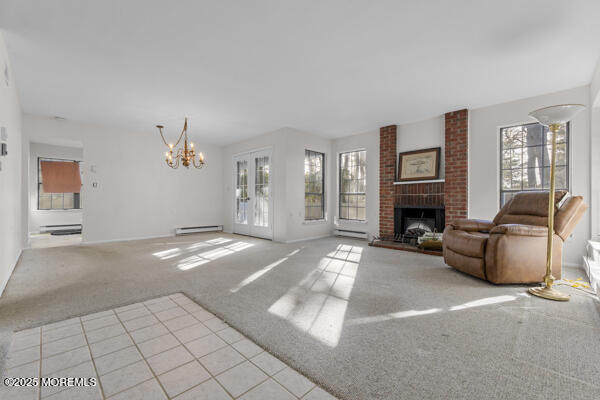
187 154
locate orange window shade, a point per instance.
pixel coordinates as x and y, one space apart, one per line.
60 177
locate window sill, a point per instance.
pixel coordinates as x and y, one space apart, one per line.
351 221
62 210
314 221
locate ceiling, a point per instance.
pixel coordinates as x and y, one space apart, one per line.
330 67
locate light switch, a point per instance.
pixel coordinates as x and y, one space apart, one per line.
3 134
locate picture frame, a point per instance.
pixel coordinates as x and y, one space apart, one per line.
419 165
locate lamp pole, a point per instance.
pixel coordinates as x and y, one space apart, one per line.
553 117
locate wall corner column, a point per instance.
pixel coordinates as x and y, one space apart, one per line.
387 176
456 195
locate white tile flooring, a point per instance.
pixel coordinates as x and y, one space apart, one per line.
164 348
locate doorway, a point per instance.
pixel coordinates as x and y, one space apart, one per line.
253 199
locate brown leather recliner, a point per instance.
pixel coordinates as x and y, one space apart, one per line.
512 247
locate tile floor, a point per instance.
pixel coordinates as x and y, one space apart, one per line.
164 348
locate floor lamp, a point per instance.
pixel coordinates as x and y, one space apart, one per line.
552 117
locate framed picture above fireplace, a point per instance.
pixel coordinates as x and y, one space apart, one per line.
419 165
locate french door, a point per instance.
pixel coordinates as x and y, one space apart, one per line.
253 200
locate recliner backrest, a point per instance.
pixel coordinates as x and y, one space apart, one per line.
566 219
528 208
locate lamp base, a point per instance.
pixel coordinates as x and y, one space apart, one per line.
549 293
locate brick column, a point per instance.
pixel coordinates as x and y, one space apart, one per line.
456 153
387 176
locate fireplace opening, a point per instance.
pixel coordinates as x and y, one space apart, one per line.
410 223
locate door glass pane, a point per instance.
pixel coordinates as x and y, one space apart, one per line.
241 192
261 191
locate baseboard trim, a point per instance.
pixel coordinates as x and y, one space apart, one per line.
308 238
127 239
572 265
5 283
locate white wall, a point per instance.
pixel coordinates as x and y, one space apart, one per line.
595 86
288 182
368 141
423 135
595 151
595 171
137 194
297 228
484 142
37 217
12 220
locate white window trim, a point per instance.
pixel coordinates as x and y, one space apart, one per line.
498 152
322 220
337 218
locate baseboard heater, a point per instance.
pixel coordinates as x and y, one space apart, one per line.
198 229
56 228
354 234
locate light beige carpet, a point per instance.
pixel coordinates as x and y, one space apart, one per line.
366 323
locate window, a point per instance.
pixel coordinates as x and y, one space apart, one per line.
353 181
525 152
314 185
55 201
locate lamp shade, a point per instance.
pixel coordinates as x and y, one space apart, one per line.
559 114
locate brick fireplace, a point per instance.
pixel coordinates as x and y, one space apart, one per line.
418 202
433 202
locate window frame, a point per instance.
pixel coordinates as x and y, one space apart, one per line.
340 193
307 152
76 196
567 164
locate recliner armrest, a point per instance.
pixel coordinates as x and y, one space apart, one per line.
520 230
472 225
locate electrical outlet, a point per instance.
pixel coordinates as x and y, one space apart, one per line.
3 134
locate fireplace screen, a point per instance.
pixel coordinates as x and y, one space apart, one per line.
410 223
416 227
